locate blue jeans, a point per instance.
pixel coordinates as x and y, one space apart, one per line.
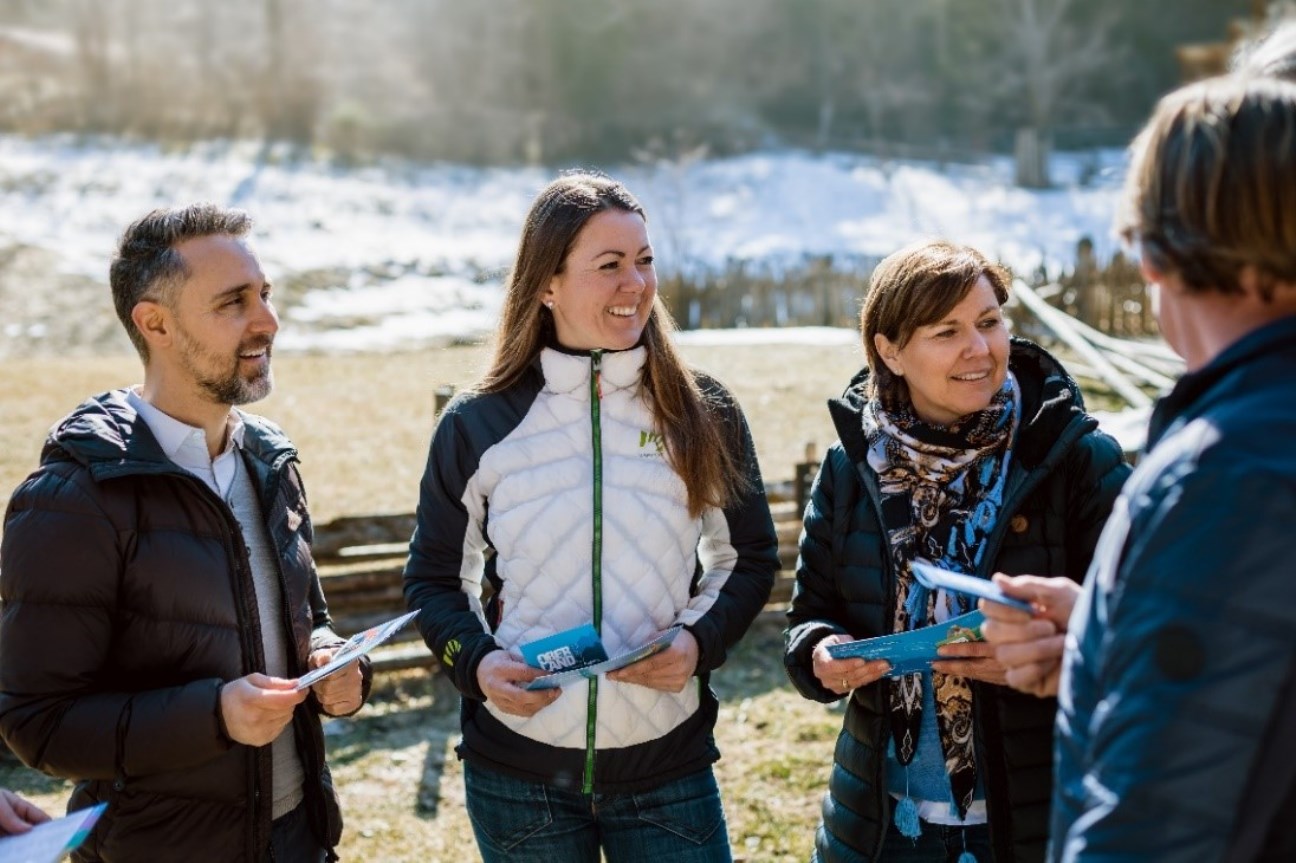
937 844
293 841
517 821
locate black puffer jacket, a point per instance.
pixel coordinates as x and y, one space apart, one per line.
1063 480
128 602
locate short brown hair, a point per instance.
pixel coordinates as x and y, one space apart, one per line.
147 266
913 288
1211 183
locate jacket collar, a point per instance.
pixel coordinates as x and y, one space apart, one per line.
1052 407
569 372
107 435
1193 392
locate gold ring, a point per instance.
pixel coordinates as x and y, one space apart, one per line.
845 685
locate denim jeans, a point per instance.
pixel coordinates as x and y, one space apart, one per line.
517 821
937 844
292 840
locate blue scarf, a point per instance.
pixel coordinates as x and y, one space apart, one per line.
942 490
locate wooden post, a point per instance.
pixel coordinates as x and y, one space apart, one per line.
442 398
804 475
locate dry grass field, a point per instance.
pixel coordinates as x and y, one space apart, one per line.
362 423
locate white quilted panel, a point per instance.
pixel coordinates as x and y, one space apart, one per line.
539 483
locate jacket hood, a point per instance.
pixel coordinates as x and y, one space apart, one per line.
1052 406
108 436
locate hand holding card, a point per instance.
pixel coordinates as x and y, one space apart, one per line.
933 577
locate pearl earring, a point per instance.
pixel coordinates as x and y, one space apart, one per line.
549 305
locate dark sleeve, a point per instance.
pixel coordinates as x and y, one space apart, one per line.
1189 644
739 551
59 582
449 546
323 636
817 604
1096 471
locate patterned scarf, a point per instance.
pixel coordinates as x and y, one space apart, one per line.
942 489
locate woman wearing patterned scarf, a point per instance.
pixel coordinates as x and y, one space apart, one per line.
963 446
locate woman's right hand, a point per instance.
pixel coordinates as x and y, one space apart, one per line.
843 675
502 678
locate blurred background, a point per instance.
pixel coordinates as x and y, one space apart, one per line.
549 81
389 148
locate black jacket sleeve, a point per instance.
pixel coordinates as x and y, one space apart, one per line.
447 554
739 550
817 603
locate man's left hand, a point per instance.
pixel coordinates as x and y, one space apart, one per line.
668 671
341 693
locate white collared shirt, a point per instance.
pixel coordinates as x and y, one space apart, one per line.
187 446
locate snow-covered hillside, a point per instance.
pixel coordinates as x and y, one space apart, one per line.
402 254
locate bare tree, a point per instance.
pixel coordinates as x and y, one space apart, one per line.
1046 54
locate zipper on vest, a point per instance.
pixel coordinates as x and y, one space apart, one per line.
596 558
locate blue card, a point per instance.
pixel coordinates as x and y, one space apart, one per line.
591 670
933 578
912 651
571 648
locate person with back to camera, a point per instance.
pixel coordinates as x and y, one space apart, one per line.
1031 646
972 449
1177 691
591 478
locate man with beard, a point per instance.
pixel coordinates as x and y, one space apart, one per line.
159 591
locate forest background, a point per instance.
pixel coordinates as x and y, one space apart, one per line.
548 81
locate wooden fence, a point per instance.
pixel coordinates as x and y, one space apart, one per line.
827 291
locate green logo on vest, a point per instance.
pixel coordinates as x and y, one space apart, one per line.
654 438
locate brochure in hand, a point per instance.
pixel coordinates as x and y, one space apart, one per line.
51 841
933 578
575 654
912 651
356 646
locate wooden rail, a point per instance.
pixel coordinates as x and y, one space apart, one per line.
361 558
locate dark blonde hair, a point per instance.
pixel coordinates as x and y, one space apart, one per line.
701 444
1212 182
913 288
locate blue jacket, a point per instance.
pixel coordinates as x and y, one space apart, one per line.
1064 477
1176 724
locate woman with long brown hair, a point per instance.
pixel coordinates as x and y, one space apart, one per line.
590 478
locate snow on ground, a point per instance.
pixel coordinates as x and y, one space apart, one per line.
418 251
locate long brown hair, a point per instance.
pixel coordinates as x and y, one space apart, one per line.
698 428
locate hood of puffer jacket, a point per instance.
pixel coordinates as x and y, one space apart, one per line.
1053 408
107 435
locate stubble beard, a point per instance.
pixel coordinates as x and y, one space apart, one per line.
229 388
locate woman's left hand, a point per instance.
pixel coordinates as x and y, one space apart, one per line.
974 660
668 671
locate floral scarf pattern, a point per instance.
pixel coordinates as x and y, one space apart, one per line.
941 492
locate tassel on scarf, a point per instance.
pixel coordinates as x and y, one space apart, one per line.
906 819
